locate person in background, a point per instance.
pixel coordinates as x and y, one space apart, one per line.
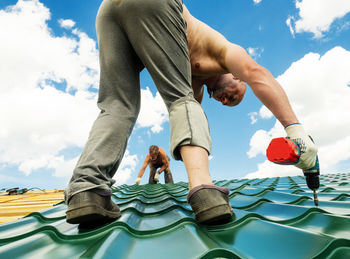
156 158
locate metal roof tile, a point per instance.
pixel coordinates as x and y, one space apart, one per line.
274 218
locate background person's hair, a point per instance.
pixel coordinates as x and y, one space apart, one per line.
153 149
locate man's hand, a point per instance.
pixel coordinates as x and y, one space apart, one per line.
138 180
308 149
156 177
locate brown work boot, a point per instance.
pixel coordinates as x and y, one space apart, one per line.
89 206
210 204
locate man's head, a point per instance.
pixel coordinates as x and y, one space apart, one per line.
226 89
153 152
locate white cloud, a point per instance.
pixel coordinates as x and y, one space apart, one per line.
343 27
255 52
126 168
153 111
63 168
289 22
265 113
317 87
41 120
46 104
316 16
66 23
257 1
261 139
258 143
268 169
253 117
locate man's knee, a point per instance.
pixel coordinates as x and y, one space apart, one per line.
152 181
188 126
168 178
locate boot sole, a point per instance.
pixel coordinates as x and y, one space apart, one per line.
90 213
214 216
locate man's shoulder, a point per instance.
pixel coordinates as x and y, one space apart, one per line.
147 158
162 151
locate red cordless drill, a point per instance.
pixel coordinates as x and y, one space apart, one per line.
284 151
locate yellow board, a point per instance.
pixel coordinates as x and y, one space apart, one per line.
13 207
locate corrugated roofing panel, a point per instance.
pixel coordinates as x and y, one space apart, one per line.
274 218
13 207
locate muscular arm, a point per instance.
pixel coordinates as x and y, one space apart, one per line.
261 81
144 166
164 158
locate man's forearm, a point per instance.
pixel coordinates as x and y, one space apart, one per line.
261 81
142 171
272 95
162 169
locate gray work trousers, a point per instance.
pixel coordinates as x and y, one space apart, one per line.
133 35
168 177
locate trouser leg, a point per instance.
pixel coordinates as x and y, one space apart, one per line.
119 102
164 52
168 177
152 172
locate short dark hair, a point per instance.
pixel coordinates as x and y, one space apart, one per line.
153 148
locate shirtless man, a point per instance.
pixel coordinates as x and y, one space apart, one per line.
156 158
224 67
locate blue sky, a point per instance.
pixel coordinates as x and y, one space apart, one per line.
49 82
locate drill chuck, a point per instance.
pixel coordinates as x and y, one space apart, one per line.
312 176
312 180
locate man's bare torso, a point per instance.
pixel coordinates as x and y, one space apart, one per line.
161 159
158 160
206 50
206 47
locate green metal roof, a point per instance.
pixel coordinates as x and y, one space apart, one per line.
274 218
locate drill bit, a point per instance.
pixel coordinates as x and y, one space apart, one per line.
315 197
